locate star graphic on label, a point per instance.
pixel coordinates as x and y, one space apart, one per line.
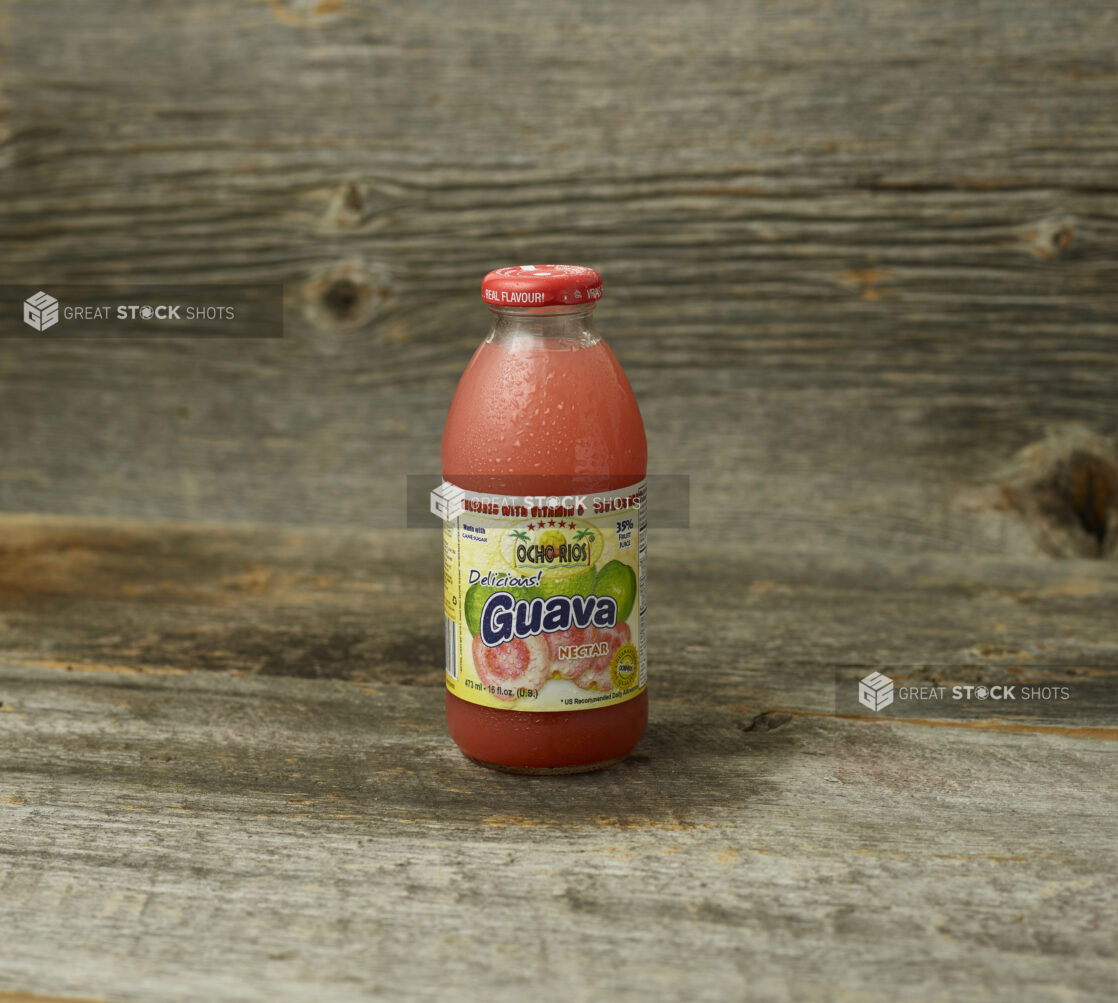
552 523
530 527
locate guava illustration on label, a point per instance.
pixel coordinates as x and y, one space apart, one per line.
544 612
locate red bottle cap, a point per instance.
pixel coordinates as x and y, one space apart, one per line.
541 285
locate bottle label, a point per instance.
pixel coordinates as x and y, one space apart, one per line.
544 598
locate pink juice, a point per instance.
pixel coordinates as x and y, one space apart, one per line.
543 592
540 419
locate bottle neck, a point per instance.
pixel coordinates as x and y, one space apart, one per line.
556 327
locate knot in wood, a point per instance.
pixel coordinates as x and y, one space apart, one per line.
1066 488
1050 238
346 297
349 206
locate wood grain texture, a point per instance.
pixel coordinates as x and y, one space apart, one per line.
365 606
176 837
861 267
36 998
857 259
299 826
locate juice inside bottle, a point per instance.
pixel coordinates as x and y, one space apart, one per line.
544 409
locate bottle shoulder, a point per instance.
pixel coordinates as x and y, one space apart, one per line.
545 412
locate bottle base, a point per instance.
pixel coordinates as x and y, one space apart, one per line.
547 771
539 743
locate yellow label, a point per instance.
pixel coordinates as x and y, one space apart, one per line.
544 599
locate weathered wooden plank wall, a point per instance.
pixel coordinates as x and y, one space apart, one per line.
858 256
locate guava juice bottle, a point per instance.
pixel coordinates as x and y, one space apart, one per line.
544 456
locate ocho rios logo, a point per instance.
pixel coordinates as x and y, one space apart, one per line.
555 546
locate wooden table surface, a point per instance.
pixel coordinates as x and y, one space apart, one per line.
861 266
226 776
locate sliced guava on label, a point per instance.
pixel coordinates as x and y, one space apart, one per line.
573 637
618 581
521 662
597 671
